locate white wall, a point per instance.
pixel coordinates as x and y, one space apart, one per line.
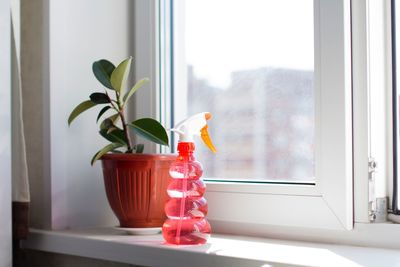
80 33
5 137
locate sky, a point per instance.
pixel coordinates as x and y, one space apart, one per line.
222 36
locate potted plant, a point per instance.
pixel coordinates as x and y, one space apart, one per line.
135 183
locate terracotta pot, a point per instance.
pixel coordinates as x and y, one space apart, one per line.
136 187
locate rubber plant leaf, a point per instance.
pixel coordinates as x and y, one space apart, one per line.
111 129
102 69
151 130
109 122
85 105
102 111
116 136
99 98
137 86
104 150
120 75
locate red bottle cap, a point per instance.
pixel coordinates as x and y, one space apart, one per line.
186 147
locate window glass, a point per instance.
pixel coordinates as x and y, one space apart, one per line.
251 64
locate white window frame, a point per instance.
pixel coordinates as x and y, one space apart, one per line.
328 204
372 108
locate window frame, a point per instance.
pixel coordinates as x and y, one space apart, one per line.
329 204
332 105
372 107
395 110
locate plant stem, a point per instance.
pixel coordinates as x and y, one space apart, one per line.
112 103
121 114
120 111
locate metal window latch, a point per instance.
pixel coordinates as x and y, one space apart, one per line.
377 207
372 165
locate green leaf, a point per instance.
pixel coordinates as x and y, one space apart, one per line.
104 150
120 75
116 136
85 105
150 129
139 148
109 122
102 69
102 111
106 124
138 85
111 129
99 98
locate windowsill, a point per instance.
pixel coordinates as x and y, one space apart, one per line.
221 250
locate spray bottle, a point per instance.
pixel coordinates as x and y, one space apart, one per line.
187 208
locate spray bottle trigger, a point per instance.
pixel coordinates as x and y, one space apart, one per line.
206 139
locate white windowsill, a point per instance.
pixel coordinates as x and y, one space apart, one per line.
221 250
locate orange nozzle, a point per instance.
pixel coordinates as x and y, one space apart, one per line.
206 138
208 116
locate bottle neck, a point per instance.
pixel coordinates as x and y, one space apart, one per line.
186 150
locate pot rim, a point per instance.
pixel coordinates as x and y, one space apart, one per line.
137 156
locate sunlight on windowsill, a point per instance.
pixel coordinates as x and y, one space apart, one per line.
221 250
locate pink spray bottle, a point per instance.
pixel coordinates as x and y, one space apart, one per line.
187 208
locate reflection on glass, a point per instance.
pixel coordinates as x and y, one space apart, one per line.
251 63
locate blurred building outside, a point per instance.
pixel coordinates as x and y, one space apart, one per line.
263 124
